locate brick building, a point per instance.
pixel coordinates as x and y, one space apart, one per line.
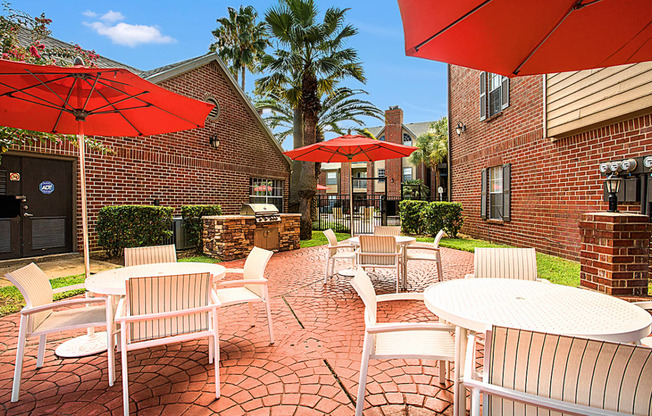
527 165
395 170
224 163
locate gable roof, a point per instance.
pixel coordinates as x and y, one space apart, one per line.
415 129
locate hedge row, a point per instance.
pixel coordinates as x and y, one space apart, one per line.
124 226
191 215
422 217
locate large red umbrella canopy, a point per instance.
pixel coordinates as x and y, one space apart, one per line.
350 148
515 37
111 101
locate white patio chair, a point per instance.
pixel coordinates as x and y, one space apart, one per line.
408 340
162 310
39 317
135 256
525 371
379 251
387 230
251 288
505 263
334 253
416 252
647 305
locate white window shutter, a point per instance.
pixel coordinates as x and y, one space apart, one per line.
483 194
483 95
504 93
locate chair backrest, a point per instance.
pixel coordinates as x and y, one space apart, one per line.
148 255
35 287
332 240
603 375
438 237
362 284
377 244
507 263
254 268
158 294
387 230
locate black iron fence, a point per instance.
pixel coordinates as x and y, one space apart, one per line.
333 211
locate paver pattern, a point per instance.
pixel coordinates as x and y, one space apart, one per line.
311 369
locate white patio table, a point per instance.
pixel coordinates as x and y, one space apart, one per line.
401 240
475 304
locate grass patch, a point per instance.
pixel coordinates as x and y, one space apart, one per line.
200 259
12 301
319 239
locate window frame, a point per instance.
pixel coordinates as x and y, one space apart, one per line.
329 178
405 142
411 173
489 194
495 189
492 85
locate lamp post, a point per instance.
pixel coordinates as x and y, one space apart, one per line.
613 185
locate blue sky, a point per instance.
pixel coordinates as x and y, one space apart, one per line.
146 35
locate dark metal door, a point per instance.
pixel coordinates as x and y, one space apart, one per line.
10 241
44 187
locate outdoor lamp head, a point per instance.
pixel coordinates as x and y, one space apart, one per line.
613 184
461 128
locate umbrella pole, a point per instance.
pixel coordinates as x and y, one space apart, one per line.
351 198
82 177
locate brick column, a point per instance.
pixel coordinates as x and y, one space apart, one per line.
615 252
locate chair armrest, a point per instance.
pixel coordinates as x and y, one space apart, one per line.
418 247
544 281
409 326
61 303
342 246
71 287
236 271
236 283
469 276
399 296
162 315
379 254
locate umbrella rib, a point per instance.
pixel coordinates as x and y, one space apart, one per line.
62 109
475 9
626 43
140 133
577 6
88 97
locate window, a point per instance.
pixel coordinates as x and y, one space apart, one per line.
382 138
407 139
215 112
407 174
358 183
381 172
331 178
495 200
494 94
266 191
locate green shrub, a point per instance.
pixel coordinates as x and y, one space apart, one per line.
192 221
124 226
412 220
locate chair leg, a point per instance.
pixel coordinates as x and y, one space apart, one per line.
110 339
125 371
442 372
251 315
216 358
440 272
211 342
20 355
362 384
328 263
41 350
269 321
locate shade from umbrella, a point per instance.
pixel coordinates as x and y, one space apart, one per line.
97 101
512 37
350 148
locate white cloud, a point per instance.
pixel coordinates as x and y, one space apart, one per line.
130 35
89 13
112 16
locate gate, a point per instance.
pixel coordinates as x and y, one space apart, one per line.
369 210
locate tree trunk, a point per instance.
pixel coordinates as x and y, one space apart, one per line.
307 184
243 78
295 177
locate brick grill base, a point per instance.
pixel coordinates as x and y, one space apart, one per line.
615 253
230 237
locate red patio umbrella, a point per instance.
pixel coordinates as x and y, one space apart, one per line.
511 37
350 148
97 101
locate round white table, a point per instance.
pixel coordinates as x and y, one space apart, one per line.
476 304
401 240
112 283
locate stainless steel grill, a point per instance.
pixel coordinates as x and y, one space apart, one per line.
262 212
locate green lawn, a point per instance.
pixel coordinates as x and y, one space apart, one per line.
200 259
319 239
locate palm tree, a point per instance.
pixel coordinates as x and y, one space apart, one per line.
338 107
433 146
310 54
240 41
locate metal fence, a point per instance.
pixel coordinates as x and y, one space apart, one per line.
368 212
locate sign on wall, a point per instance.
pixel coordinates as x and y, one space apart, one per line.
46 187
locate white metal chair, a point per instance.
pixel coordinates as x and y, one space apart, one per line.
39 318
251 288
135 256
379 251
408 340
506 263
647 305
387 230
416 252
334 253
161 310
525 371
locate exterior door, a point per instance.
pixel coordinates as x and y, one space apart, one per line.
43 221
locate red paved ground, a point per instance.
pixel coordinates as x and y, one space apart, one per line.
312 369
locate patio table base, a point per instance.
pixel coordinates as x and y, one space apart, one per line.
82 346
346 272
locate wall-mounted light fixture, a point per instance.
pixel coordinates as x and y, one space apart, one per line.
613 185
461 128
214 141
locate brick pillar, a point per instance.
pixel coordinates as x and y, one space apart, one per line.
394 134
615 252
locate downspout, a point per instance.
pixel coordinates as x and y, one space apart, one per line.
450 147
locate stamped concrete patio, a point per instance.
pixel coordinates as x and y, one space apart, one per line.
312 369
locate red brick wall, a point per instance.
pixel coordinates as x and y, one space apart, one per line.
182 168
553 182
